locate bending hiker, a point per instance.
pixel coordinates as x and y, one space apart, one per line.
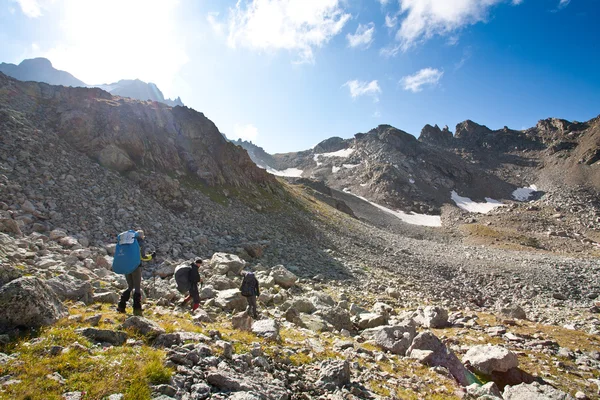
250 291
187 278
129 254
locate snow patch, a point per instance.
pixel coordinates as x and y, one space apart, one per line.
411 180
340 153
523 194
290 172
350 166
363 185
469 205
335 169
412 218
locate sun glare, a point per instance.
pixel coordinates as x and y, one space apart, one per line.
108 40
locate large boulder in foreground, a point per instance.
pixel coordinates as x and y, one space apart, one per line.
487 359
29 303
143 326
395 339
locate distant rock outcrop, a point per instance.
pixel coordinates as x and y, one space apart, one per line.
436 136
137 89
40 70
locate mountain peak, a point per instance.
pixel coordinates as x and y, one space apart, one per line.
435 135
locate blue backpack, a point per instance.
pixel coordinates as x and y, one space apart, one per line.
127 253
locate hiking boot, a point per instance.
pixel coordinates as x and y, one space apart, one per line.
121 309
137 304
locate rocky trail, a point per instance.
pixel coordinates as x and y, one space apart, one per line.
349 308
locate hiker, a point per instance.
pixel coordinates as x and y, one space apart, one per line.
187 278
129 254
250 291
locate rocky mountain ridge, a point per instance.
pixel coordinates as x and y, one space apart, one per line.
41 70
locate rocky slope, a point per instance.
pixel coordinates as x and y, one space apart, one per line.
349 309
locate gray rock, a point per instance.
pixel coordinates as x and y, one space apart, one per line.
242 321
490 389
337 317
513 311
395 339
68 287
8 273
283 277
222 263
73 396
487 359
224 381
29 303
178 338
303 305
313 322
93 320
230 300
429 350
534 391
103 335
334 373
267 328
369 320
143 326
246 396
166 390
106 297
115 158
433 317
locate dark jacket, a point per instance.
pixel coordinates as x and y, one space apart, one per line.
249 285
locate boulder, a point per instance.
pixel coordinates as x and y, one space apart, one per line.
221 282
230 300
534 391
369 320
313 322
178 338
283 277
29 303
103 335
242 321
222 263
395 339
334 374
266 328
106 297
68 287
487 359
115 158
490 390
513 311
303 305
337 317
432 317
143 326
429 350
382 309
165 269
8 274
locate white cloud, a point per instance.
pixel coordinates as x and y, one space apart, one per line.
217 27
384 2
376 114
563 3
124 40
424 77
452 40
467 53
363 88
516 2
390 22
245 132
31 8
295 25
427 18
363 36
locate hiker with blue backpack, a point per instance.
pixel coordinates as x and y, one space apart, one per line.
187 278
250 291
129 254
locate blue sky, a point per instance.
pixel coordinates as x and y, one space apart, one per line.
287 74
